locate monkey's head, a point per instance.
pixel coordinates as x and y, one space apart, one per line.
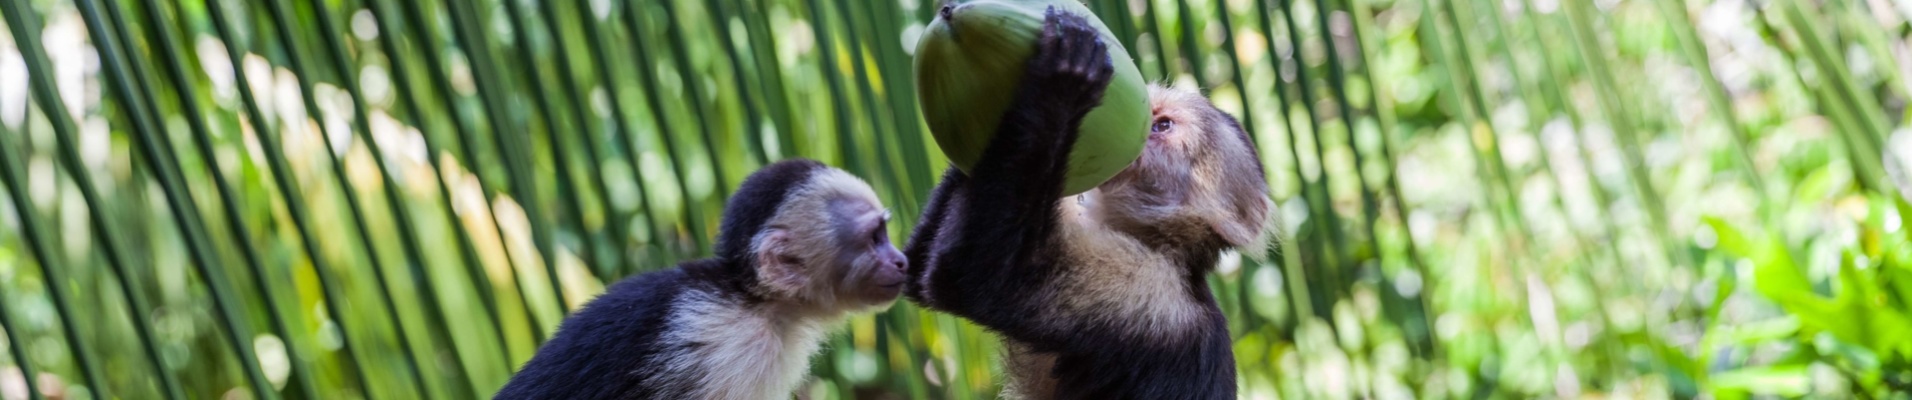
1198 184
805 234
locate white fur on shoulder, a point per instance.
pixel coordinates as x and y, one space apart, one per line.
725 350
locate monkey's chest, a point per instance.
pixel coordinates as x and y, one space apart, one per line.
754 370
728 353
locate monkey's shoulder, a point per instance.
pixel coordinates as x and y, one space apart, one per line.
636 305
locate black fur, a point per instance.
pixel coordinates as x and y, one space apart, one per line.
752 206
599 349
986 247
603 350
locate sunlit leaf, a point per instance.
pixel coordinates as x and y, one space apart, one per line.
1786 380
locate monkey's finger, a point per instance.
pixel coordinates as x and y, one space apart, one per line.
1088 40
1067 39
1103 63
1106 68
1051 27
1093 56
1095 50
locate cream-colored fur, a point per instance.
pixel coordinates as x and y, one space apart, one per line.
744 353
1114 276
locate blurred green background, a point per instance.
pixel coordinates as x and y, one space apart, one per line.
1479 198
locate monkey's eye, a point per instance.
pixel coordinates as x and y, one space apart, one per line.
1161 125
880 234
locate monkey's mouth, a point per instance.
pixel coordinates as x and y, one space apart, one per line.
884 292
1144 164
889 282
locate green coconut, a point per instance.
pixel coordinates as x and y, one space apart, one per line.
969 62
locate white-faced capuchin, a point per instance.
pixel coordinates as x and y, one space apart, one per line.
1101 295
801 246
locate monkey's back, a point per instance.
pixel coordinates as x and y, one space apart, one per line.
607 349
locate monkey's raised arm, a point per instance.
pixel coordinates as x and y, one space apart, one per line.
920 241
990 265
1020 175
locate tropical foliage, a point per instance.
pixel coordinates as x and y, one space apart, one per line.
1479 198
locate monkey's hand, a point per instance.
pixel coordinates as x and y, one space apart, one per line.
1066 76
1062 81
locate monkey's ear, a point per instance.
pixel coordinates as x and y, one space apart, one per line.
778 268
1249 227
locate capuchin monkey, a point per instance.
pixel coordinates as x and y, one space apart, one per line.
1102 295
801 247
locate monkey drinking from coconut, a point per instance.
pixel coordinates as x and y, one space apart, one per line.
1101 295
801 246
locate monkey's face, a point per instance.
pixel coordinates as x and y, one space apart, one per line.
870 267
1198 181
829 248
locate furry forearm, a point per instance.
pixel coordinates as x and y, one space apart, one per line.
918 250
